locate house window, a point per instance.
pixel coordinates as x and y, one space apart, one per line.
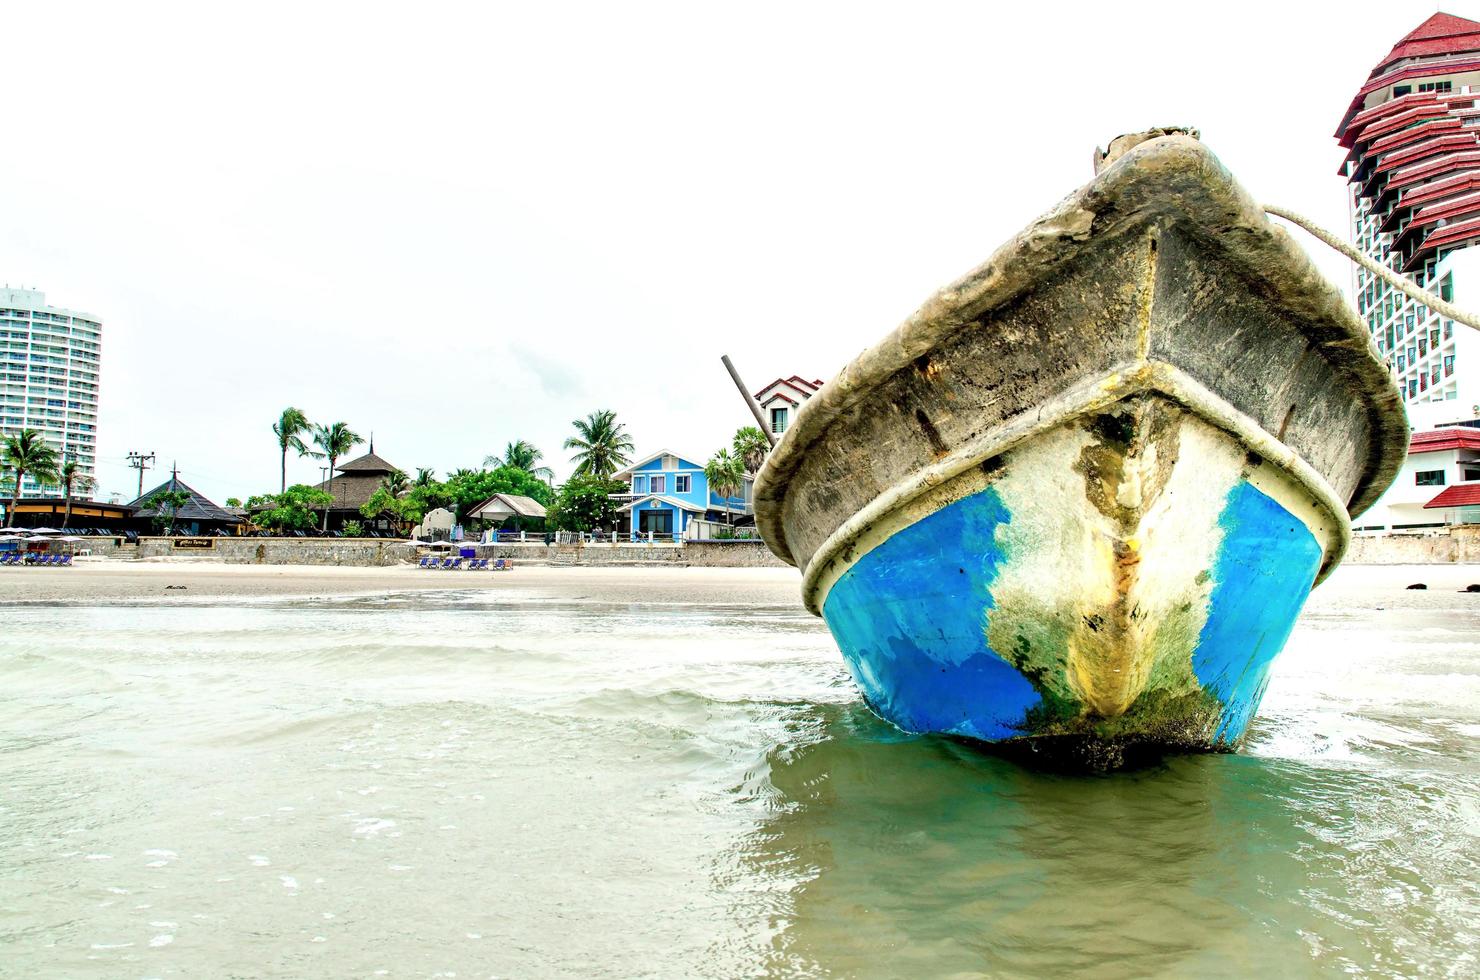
1401 90
1428 478
1471 474
681 484
639 484
778 420
660 484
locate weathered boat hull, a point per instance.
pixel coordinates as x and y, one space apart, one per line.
1080 499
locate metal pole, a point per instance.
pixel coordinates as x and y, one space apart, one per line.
755 406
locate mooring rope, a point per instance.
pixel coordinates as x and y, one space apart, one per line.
1398 282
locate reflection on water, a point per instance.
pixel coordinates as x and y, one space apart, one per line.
429 785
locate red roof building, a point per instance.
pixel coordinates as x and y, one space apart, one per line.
780 400
1413 166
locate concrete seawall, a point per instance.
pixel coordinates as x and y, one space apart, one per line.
1461 545
374 551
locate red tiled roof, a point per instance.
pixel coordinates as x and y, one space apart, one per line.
1439 35
1449 437
1459 495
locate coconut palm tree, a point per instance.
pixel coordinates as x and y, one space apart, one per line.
72 478
751 446
397 482
523 456
289 429
425 476
726 476
27 452
601 446
333 441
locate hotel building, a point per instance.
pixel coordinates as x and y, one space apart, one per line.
49 378
1413 136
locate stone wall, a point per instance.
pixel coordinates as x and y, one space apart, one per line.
373 551
731 554
1461 545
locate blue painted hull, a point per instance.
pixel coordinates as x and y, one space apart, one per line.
917 619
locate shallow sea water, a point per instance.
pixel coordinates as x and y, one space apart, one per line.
446 785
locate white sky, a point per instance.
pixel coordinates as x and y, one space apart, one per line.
458 226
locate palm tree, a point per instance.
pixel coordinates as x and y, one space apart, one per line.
397 482
72 478
27 452
726 476
289 429
425 476
751 446
334 441
522 456
601 447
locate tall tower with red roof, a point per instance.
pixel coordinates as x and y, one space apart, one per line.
1413 138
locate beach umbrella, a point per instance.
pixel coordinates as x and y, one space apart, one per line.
68 537
45 530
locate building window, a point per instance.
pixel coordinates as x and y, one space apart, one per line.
1399 90
660 484
1446 289
1428 478
1434 87
778 420
1471 474
639 484
681 484
1448 365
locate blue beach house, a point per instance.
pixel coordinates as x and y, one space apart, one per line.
666 491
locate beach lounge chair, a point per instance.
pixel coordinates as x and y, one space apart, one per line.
425 562
499 565
446 563
66 561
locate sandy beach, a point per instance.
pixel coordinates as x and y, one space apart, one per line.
112 581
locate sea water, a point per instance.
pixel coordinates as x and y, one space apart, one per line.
443 784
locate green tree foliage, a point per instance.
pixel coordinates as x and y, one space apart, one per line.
397 482
469 488
521 455
584 502
354 529
166 505
292 510
72 478
601 445
236 501
425 476
726 476
333 441
289 429
27 452
751 447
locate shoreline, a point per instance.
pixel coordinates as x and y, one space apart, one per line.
108 582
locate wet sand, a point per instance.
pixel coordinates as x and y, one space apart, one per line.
112 581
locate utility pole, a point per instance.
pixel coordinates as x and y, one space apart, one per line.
140 462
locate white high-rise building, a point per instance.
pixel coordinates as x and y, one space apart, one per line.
49 379
1413 132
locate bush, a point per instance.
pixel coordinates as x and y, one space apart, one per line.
354 529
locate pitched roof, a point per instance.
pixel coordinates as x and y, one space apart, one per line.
1459 495
1440 34
670 501
351 490
510 503
368 463
1439 440
198 508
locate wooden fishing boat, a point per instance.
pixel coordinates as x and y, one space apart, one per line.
1077 501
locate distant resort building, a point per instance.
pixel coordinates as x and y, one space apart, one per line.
1413 136
352 487
49 361
780 400
666 491
88 516
1438 486
199 516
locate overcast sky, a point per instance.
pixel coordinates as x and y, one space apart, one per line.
458 226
